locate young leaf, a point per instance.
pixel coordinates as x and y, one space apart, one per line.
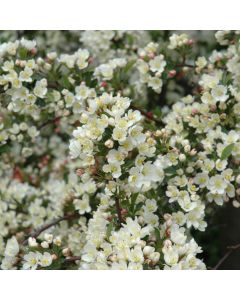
227 151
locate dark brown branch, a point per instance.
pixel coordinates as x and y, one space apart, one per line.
54 222
72 259
119 213
231 250
185 65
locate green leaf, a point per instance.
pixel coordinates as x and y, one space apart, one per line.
227 151
129 65
109 229
4 148
22 52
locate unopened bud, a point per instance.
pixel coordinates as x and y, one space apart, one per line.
172 73
182 157
32 242
169 222
187 148
109 144
167 243
155 256
167 217
193 152
44 245
147 250
54 257
33 51
66 252
158 133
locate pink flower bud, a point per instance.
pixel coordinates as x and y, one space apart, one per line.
172 73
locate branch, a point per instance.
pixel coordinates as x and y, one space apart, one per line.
118 208
35 233
72 259
231 250
49 122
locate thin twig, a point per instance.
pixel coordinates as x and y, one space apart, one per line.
35 233
49 122
231 250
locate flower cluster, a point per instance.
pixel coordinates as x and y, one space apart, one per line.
151 66
112 151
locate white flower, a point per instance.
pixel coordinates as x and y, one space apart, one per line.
48 238
114 169
45 259
44 245
12 247
31 260
201 62
177 234
148 250
82 205
219 93
40 89
115 156
217 184
151 205
171 257
119 135
136 255
75 148
25 75
32 242
201 179
221 164
156 84
28 44
157 64
82 56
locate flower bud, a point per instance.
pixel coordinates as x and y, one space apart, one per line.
147 250
66 252
167 243
172 73
167 217
236 204
193 152
54 257
142 243
155 256
141 220
109 144
158 133
44 245
169 222
182 157
32 242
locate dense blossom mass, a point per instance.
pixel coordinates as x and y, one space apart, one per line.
113 145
